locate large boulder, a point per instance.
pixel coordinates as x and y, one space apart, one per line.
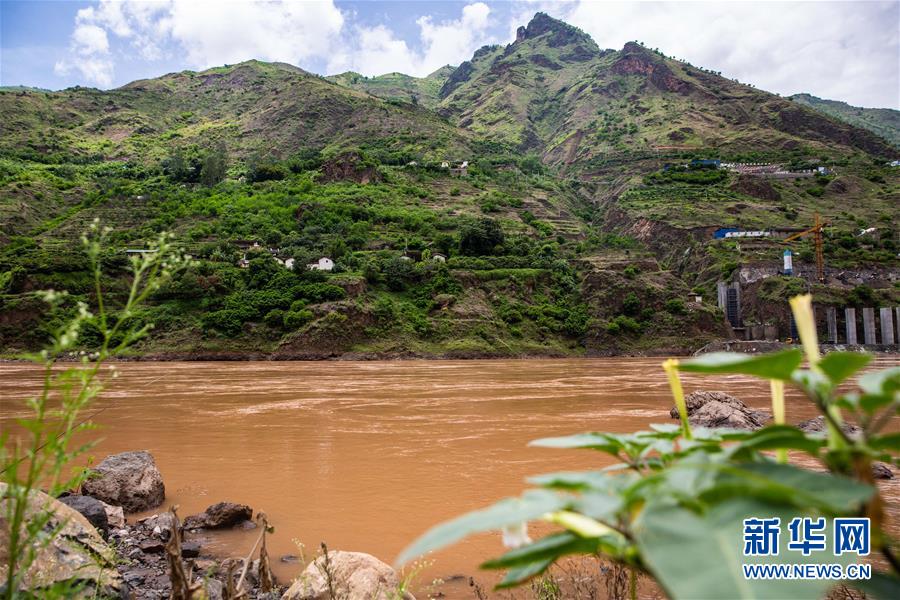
352 574
91 509
77 554
219 516
718 409
130 480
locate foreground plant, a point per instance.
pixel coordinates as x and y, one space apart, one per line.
675 507
44 456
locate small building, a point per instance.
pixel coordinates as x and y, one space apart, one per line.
719 234
437 257
462 170
138 251
289 264
695 299
323 264
445 165
243 263
246 244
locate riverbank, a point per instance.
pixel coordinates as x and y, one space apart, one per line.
745 347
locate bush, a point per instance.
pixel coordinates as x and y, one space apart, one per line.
631 271
631 305
274 318
297 319
480 237
676 306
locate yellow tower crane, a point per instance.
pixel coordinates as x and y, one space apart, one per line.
816 231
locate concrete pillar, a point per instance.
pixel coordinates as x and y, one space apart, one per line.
887 326
721 289
850 317
831 322
869 326
897 322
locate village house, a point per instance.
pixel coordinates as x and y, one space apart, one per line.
462 170
437 257
323 264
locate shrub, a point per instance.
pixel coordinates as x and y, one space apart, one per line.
676 306
631 305
297 319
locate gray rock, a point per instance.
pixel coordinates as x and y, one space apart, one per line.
718 409
92 510
882 470
76 554
190 549
130 480
353 575
818 424
152 546
219 516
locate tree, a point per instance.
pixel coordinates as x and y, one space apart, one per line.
214 166
480 237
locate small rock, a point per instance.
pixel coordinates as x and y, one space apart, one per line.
290 558
818 424
91 508
130 480
215 589
353 575
218 516
206 565
190 549
881 470
152 546
115 515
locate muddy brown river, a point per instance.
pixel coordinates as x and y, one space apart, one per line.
368 455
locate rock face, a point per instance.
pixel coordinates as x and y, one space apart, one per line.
353 575
130 480
91 509
77 554
718 409
218 516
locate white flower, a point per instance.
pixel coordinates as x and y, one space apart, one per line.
515 536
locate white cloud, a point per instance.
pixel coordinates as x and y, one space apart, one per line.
90 39
842 50
377 50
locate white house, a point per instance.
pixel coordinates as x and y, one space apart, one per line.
323 264
289 264
437 257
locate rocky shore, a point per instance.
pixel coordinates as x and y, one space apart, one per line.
162 556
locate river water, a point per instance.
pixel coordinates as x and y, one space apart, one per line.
368 455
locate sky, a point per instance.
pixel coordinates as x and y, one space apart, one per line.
846 51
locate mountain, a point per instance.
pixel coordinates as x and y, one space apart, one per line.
884 122
555 92
583 220
272 109
397 86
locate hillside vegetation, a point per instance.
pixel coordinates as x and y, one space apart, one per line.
580 225
884 122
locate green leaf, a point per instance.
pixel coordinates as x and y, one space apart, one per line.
838 366
886 381
520 574
778 365
551 547
700 556
533 504
889 441
596 441
787 484
777 437
575 480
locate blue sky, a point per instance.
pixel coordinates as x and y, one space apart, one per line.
841 50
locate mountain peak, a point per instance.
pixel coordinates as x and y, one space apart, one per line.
558 32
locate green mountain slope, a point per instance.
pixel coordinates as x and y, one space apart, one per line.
884 122
397 86
578 227
554 92
253 107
